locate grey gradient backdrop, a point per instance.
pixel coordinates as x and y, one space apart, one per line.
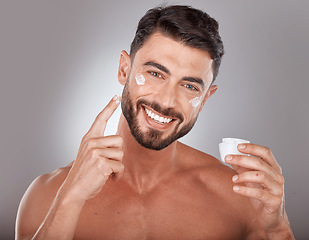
58 69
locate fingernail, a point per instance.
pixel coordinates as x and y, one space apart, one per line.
229 157
241 146
234 179
235 188
116 98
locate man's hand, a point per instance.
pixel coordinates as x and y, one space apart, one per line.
98 158
263 184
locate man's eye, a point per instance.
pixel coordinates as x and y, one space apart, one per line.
156 74
190 87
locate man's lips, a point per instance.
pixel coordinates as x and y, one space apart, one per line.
159 118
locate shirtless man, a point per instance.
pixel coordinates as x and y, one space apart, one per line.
142 183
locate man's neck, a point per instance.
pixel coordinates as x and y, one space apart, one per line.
144 168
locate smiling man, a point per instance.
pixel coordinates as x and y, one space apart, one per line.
144 184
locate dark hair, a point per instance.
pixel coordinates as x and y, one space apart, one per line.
185 24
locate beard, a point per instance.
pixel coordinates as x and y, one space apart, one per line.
152 138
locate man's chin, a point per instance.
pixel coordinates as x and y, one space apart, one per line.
152 139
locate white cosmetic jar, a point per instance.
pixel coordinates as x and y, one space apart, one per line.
229 146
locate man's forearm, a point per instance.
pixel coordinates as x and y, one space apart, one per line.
62 218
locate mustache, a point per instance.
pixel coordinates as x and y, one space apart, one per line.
169 112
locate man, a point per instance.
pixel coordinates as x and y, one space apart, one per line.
144 184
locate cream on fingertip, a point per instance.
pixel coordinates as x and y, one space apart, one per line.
116 98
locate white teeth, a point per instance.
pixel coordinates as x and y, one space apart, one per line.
167 120
157 117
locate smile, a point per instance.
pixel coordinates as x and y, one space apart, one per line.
157 118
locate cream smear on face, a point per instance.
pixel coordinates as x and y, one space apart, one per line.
140 79
195 101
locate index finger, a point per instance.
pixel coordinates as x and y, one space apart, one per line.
260 151
98 127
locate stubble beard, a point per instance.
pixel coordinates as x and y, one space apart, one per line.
152 138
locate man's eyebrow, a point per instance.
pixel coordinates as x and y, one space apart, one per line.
195 80
157 65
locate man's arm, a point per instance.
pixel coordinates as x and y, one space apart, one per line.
42 207
48 212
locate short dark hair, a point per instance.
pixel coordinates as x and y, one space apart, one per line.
191 26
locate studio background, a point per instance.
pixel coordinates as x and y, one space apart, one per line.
58 69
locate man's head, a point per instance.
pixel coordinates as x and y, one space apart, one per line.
173 61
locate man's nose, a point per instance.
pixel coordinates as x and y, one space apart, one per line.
167 95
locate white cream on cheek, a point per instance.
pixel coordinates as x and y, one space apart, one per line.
195 102
140 79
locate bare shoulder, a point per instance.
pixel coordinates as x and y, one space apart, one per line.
192 158
37 200
206 168
46 185
216 177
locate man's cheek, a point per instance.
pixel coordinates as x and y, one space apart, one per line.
193 106
195 102
141 86
140 79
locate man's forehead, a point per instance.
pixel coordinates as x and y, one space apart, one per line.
156 39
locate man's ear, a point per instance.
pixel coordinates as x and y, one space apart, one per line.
211 91
124 67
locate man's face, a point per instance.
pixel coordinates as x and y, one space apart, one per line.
167 87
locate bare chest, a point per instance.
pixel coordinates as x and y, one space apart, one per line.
166 213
